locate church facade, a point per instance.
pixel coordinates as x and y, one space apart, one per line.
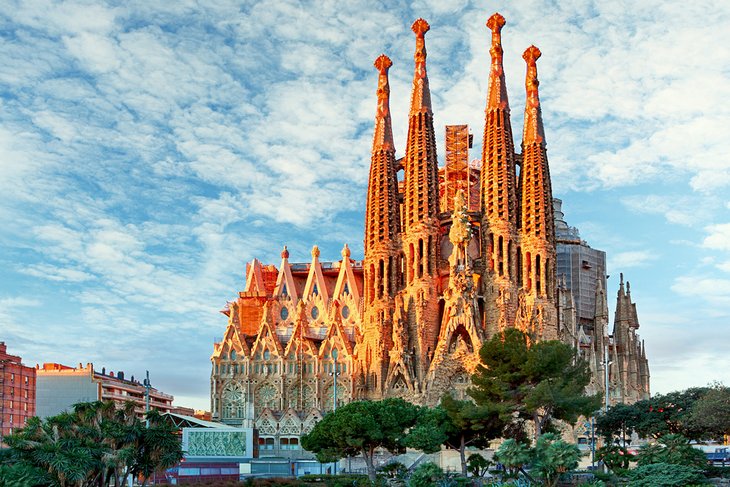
452 255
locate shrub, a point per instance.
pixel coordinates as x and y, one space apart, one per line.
672 449
665 475
426 475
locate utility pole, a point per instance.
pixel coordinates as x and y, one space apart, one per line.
147 398
334 386
606 363
334 374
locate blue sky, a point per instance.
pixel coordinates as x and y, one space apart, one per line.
148 151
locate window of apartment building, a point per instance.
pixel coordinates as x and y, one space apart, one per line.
26 380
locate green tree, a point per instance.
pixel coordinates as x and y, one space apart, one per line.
619 420
669 414
539 383
513 455
553 457
359 428
158 447
456 425
615 457
710 414
94 444
426 475
477 465
673 449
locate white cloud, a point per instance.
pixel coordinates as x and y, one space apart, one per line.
630 259
718 237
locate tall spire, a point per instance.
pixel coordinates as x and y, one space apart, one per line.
498 190
421 167
498 178
382 239
382 220
537 229
421 224
537 208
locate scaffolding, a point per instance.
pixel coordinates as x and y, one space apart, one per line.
459 173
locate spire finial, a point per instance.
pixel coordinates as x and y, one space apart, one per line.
285 253
531 55
534 131
421 98
420 27
383 136
497 98
345 252
495 24
315 252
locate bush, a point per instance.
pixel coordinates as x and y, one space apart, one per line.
665 475
393 470
426 475
342 480
672 449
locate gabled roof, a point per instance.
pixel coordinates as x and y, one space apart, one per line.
316 283
346 277
254 279
285 285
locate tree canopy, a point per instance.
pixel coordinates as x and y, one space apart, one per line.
710 414
538 382
455 424
696 413
94 444
359 428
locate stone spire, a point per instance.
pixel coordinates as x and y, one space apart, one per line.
498 187
536 191
382 241
499 195
421 224
421 167
537 229
382 219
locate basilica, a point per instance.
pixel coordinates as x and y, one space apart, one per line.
452 255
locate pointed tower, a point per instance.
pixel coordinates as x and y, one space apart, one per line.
421 206
600 321
501 249
382 243
537 229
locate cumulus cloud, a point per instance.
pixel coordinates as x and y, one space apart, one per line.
718 237
631 258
